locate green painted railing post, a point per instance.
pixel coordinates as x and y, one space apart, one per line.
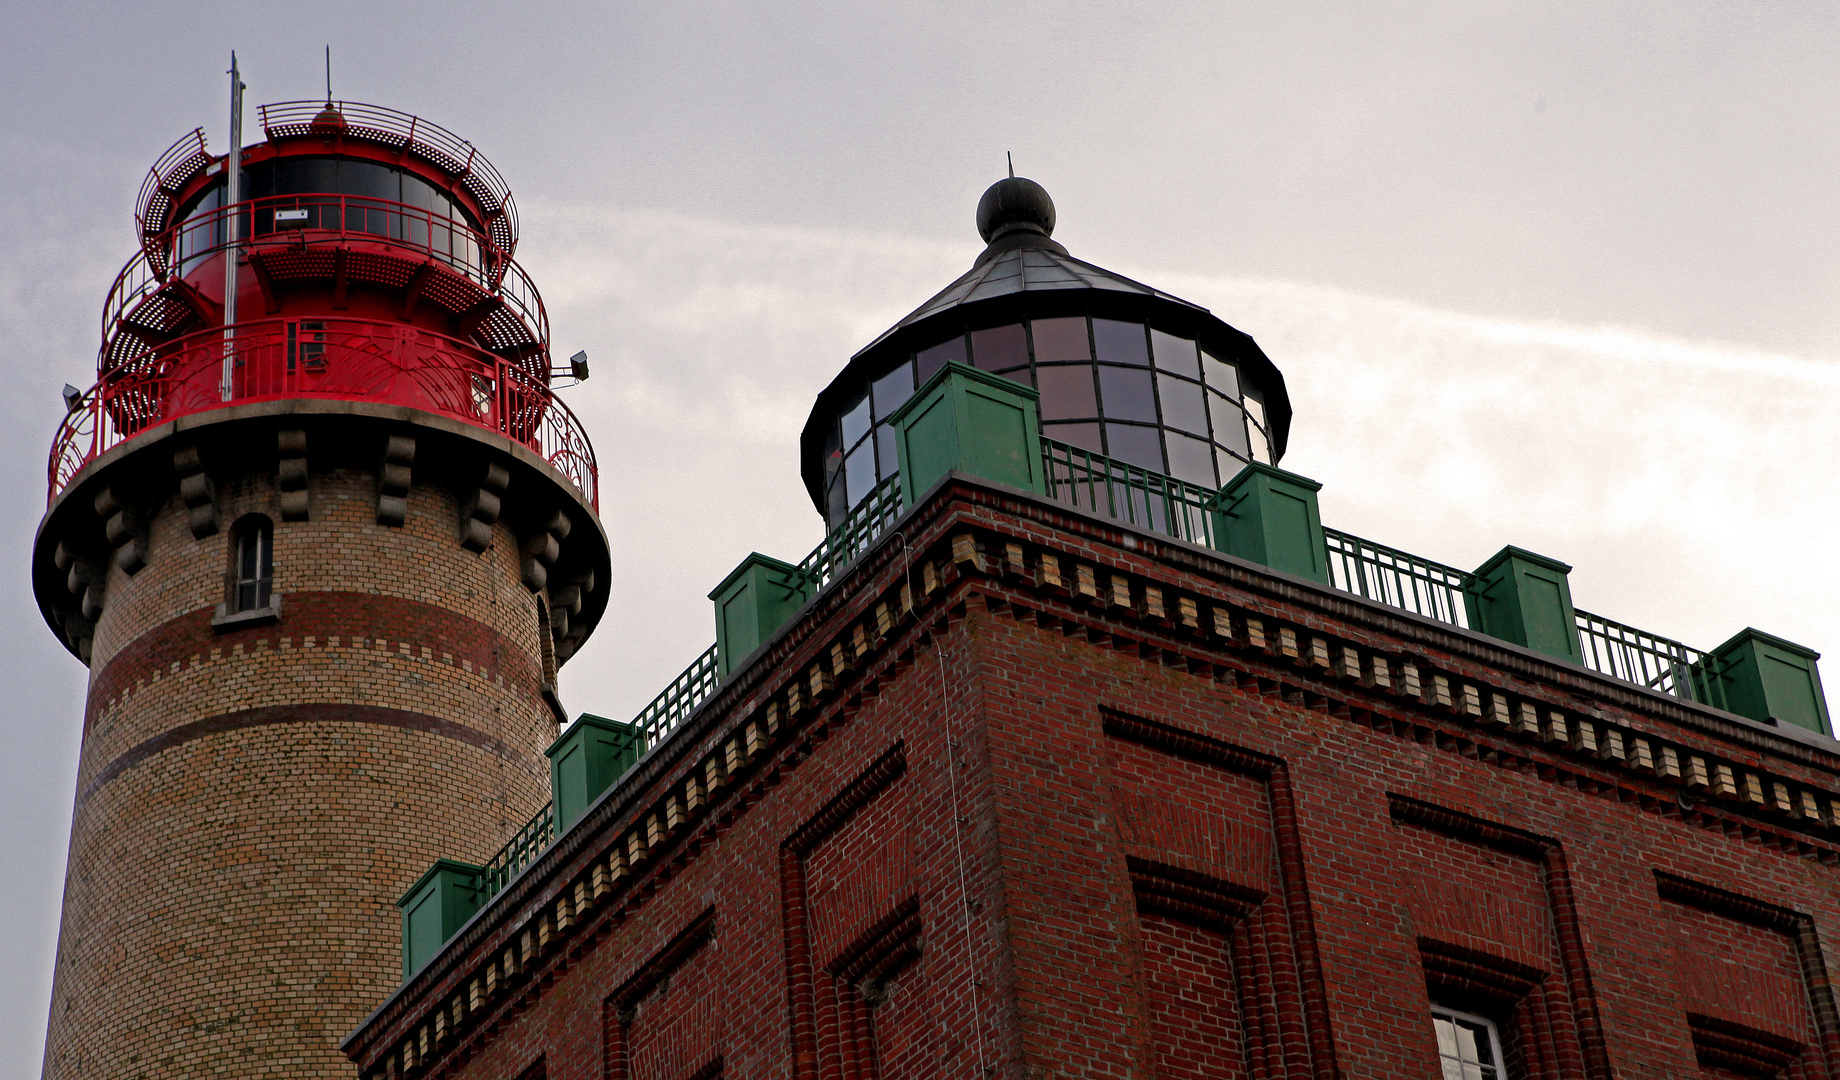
1270 517
755 599
1765 678
586 760
1525 598
435 908
972 421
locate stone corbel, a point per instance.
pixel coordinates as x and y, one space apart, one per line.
126 530
292 473
480 509
393 480
541 551
197 491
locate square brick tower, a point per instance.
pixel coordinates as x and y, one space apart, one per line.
322 558
1082 748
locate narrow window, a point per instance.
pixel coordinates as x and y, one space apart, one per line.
254 571
1469 1047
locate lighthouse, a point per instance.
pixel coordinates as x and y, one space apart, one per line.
323 534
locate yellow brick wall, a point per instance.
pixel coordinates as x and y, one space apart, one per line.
251 804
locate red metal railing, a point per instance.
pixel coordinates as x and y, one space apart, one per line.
342 359
329 219
410 134
173 169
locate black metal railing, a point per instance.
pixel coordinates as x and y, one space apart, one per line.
520 851
1397 578
678 700
1091 481
853 535
1637 656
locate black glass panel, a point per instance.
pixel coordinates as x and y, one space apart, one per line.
1228 465
928 363
1060 339
1190 459
1182 404
1000 348
892 390
1066 392
1175 354
836 503
306 176
1120 342
1229 424
859 472
1081 435
1221 376
856 421
369 180
1126 394
1141 446
885 453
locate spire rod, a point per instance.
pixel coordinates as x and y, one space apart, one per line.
1012 163
328 74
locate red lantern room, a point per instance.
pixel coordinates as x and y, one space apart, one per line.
373 262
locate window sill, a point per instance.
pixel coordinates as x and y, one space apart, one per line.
225 621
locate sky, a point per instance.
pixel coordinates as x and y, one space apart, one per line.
1554 274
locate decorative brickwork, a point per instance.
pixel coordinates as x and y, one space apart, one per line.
1237 826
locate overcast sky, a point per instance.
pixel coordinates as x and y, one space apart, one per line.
1558 275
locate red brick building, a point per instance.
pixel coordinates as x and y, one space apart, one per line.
1083 749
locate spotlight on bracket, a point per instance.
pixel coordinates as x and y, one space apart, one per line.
73 398
578 365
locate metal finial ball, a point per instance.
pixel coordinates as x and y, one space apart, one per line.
1014 204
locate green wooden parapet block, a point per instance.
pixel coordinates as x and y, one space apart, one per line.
1270 517
592 754
970 420
1525 598
755 599
1765 678
435 908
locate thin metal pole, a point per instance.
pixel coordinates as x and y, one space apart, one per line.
233 194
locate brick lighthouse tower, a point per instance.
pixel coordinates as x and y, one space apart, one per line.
323 535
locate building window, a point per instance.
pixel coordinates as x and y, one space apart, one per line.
1469 1047
253 573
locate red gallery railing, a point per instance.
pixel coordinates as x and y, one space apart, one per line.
327 358
140 300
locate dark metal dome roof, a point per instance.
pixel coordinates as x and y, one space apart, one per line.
1024 273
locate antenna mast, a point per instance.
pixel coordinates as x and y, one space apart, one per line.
233 194
328 74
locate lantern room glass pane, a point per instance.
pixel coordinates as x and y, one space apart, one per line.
886 455
1084 435
929 361
892 390
1182 403
1222 377
859 472
1229 425
1057 340
1175 354
1142 446
1120 342
1066 392
1126 394
856 421
1190 459
1000 348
